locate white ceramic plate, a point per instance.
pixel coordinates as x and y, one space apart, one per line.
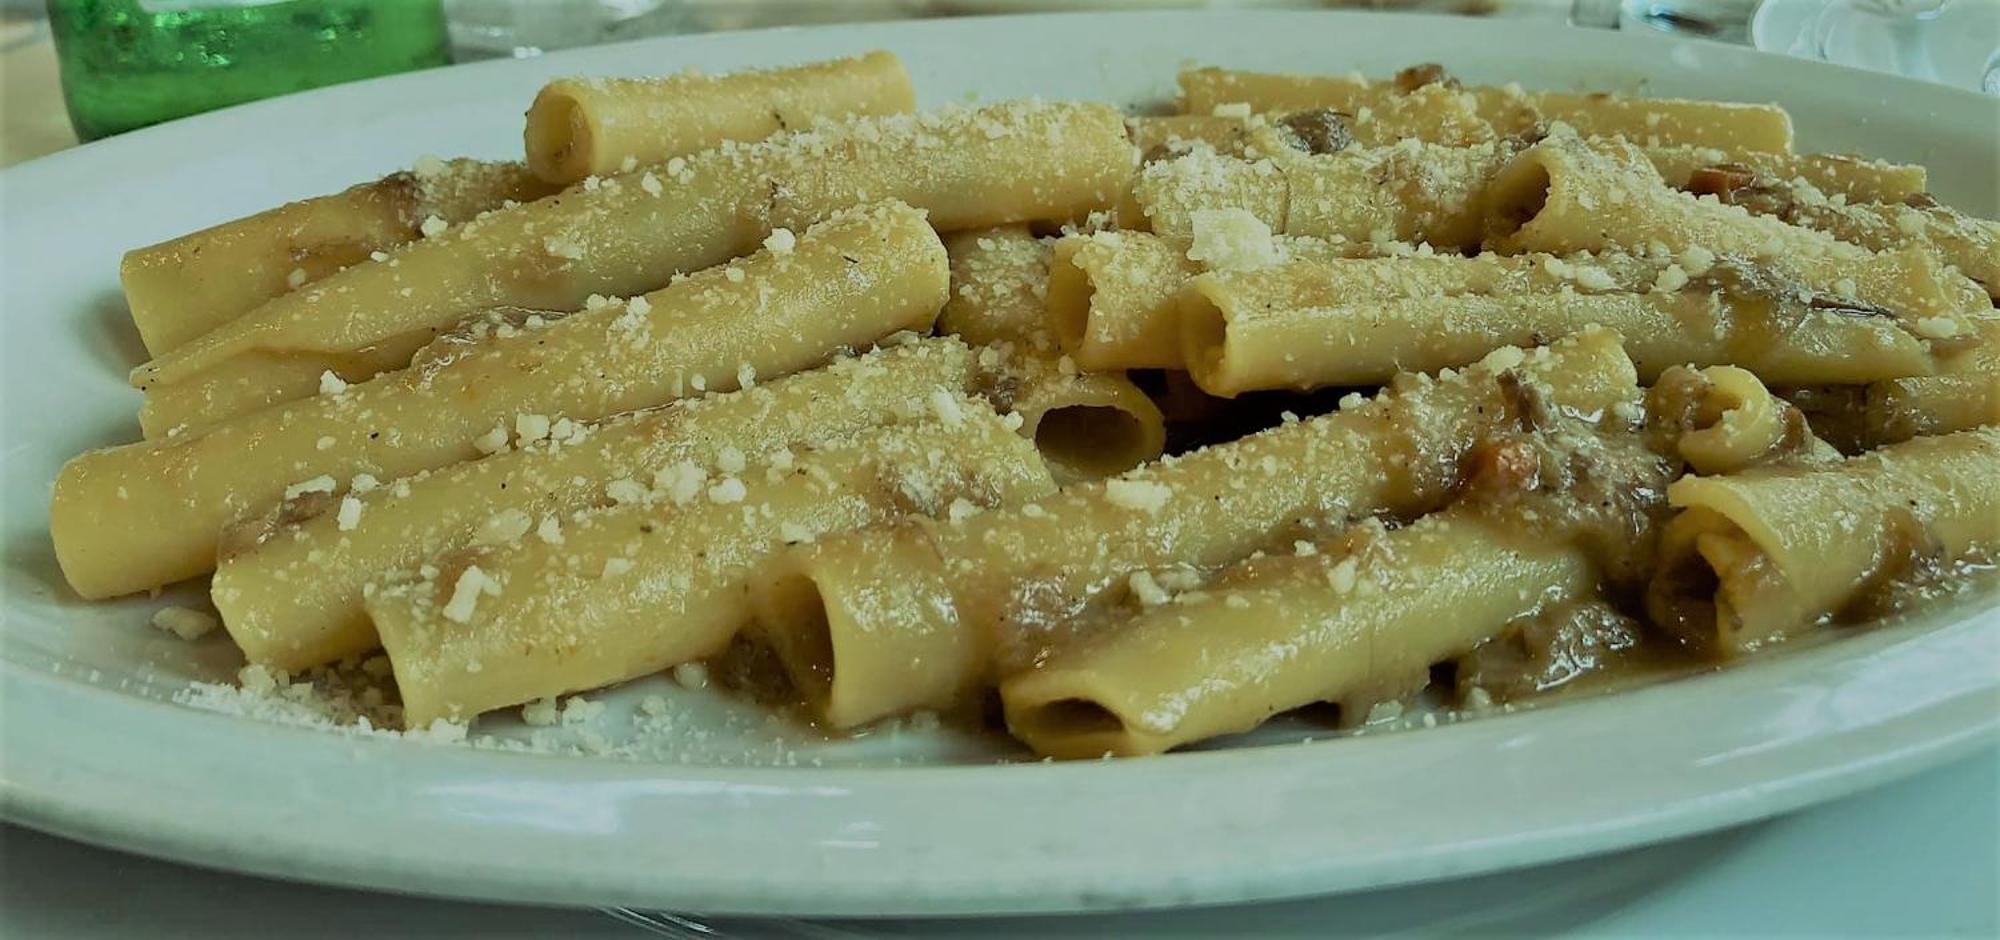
94 748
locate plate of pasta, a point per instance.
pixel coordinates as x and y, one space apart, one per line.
1027 464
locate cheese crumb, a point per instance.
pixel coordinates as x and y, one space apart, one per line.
433 227
465 593
557 247
1146 590
691 675
363 482
682 481
296 279
625 491
650 183
331 384
185 622
1697 260
319 484
1233 109
530 428
615 566
503 528
791 533
1341 576
550 530
1231 240
781 242
945 406
541 712
730 490
1936 327
1139 495
1671 279
349 516
638 306
492 442
325 442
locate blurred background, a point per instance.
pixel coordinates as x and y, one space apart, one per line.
75 70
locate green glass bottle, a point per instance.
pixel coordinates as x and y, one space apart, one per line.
130 63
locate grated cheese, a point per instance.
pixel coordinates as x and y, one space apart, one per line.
1138 495
349 516
1232 240
465 593
185 622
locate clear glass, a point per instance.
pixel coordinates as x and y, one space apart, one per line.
1890 33
1726 20
130 63
485 29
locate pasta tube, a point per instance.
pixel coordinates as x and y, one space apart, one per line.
1972 245
967 168
1508 109
184 287
290 591
1554 197
1111 299
1087 425
1857 178
581 127
1900 409
986 591
1284 631
1161 137
1965 395
633 589
1410 192
1352 322
1722 420
138 516
1759 556
999 282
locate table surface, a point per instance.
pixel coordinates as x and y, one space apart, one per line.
1917 858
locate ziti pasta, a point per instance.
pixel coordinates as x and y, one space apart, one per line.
1114 432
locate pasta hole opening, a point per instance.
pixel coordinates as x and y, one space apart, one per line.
1683 599
1069 297
1071 716
555 134
1204 337
1516 197
792 616
1091 441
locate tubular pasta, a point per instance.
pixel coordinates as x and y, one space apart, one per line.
632 233
186 286
580 127
632 589
142 515
987 590
290 591
1759 556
